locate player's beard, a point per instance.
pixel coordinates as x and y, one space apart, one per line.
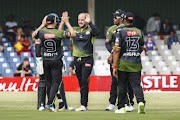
84 25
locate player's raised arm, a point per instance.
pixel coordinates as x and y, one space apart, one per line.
40 27
65 19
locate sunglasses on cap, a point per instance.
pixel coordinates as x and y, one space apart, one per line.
116 17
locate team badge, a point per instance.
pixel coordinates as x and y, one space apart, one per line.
87 32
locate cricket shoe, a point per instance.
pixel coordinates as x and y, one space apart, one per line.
41 108
81 108
111 107
141 108
129 108
63 108
121 110
50 108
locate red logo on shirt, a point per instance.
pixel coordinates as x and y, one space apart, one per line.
132 33
116 44
49 36
87 65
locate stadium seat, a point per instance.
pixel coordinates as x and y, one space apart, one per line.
4 40
152 53
165 71
15 65
151 71
159 65
1 55
101 67
146 66
156 59
7 44
14 60
25 55
7 50
176 71
7 73
67 53
144 59
4 66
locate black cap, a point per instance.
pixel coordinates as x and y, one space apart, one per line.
119 13
129 16
51 18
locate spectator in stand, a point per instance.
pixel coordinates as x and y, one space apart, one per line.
149 44
24 69
139 22
172 39
27 29
22 45
19 32
1 32
71 66
153 24
72 69
1 45
11 28
166 27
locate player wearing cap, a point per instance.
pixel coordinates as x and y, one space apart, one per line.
110 37
83 55
110 40
50 40
129 44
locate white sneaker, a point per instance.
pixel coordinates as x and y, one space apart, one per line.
81 108
63 108
41 108
111 107
122 110
129 108
70 108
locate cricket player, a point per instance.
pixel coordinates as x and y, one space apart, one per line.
83 55
50 40
110 40
129 44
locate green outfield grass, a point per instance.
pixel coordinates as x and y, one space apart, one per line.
22 106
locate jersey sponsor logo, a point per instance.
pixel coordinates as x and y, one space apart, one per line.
81 36
130 18
132 33
87 65
49 36
87 32
131 54
50 54
69 34
117 41
37 42
107 40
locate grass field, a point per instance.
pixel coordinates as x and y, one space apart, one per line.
22 106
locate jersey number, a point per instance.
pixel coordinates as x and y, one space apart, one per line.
132 44
50 45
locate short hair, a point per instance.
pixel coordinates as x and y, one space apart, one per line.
23 36
26 59
156 15
129 21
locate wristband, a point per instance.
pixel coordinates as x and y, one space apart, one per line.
113 67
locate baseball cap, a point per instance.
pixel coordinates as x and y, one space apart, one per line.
149 35
52 17
129 16
119 13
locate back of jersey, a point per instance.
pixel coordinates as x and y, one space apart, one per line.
131 41
51 43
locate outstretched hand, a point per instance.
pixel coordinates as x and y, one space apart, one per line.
88 20
65 17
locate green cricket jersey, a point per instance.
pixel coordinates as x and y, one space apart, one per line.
84 40
130 39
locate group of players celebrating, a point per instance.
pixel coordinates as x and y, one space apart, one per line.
123 41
